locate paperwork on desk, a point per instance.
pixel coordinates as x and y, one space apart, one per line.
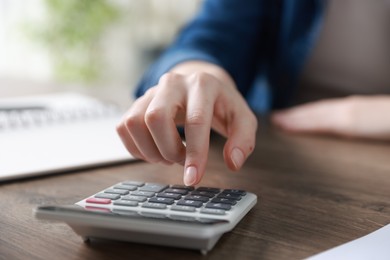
372 246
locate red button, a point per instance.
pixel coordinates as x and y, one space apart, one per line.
98 201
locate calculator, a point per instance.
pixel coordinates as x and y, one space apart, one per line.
155 213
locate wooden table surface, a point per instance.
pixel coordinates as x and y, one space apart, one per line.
314 193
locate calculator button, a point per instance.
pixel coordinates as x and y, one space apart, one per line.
117 191
203 193
134 198
154 187
107 196
229 196
218 206
233 191
134 183
189 188
167 201
213 211
207 189
143 193
129 203
178 191
226 201
196 197
183 208
174 196
192 203
125 187
154 205
98 201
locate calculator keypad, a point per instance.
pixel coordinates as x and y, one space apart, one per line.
158 196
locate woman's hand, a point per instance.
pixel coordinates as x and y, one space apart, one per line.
355 116
198 96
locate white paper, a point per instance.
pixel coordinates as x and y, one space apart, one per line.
375 246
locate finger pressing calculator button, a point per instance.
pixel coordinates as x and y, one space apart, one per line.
218 206
167 201
98 201
213 211
134 198
183 208
107 196
154 205
192 203
155 187
116 191
189 188
128 203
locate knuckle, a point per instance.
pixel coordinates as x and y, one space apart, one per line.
200 78
197 117
169 78
153 116
348 117
132 121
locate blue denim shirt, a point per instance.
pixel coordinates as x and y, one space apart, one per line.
262 44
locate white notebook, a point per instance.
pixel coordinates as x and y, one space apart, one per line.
55 133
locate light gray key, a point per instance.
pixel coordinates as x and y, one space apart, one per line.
129 203
125 187
134 198
183 208
143 193
107 196
154 205
116 191
155 187
213 211
134 183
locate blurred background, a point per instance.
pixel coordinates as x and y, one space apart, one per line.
95 47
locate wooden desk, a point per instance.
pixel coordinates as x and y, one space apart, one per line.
315 193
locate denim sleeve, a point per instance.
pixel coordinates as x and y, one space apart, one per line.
225 33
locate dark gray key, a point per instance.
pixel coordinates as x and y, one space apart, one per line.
226 201
174 196
183 208
207 189
218 206
107 196
155 187
117 191
189 188
125 187
192 203
143 193
154 205
128 203
197 197
178 191
134 183
167 201
203 193
233 191
213 211
134 198
229 196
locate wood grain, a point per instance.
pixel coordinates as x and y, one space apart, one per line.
315 193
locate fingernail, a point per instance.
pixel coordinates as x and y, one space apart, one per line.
237 158
190 175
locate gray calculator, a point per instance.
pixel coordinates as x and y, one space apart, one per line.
155 213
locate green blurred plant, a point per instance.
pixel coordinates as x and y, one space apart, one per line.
72 34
